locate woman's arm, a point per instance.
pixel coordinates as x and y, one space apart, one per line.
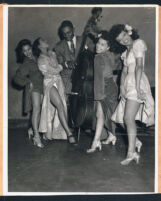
123 75
138 74
46 69
21 77
99 78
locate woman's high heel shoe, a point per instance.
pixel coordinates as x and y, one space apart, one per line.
45 138
138 145
95 147
111 139
37 142
71 140
30 133
134 156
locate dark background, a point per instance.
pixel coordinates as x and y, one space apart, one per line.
30 23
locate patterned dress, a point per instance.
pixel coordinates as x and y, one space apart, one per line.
145 113
49 121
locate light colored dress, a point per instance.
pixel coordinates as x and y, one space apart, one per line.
145 113
49 120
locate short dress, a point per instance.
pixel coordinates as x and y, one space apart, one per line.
49 120
105 88
27 73
145 113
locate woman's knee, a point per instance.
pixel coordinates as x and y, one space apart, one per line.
128 119
36 108
99 113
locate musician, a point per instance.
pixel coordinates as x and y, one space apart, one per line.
67 51
92 28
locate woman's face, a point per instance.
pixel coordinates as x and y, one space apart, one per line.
124 39
27 51
43 43
102 46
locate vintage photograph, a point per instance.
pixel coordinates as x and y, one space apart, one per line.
81 99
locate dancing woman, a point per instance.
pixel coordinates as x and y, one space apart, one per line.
53 120
28 75
105 92
136 100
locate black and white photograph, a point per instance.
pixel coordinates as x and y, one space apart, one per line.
81 99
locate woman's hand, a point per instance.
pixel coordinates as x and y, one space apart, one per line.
60 66
141 94
122 92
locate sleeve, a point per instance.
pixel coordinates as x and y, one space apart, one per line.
139 48
21 77
115 61
46 68
98 78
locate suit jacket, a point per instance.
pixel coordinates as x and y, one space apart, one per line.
64 54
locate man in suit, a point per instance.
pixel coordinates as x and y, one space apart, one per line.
67 51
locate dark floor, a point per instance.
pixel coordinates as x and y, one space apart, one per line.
60 167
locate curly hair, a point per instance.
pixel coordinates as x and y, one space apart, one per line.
114 32
19 50
35 49
105 36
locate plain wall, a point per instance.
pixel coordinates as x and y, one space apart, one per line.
31 23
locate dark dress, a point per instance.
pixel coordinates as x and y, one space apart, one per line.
27 73
105 89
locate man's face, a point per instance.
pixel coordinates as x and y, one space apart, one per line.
68 33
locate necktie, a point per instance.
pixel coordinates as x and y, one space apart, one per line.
72 47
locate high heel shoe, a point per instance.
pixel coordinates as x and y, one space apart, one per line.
134 156
45 138
30 133
138 145
37 142
111 139
95 147
71 140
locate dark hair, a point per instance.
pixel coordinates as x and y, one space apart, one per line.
114 32
19 53
95 10
105 35
35 49
66 23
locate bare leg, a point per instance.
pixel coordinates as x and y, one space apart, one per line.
57 102
99 127
36 103
131 109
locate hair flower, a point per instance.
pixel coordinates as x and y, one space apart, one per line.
128 28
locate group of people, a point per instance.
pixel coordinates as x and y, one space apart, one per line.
47 77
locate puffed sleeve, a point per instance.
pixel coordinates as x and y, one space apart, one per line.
98 78
139 48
